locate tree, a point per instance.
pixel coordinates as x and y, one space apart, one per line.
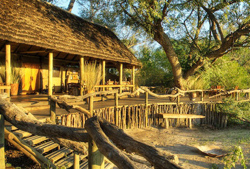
156 69
226 73
210 28
70 5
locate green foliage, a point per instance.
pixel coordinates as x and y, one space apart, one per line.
225 73
194 82
155 69
235 110
236 155
214 166
17 71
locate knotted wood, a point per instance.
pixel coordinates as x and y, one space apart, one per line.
127 143
105 146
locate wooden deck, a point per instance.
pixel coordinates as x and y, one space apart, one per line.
39 107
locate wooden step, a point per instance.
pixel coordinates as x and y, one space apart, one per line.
68 161
35 140
22 134
45 147
56 155
107 165
84 164
11 128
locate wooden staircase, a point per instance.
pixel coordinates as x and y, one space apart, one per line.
44 151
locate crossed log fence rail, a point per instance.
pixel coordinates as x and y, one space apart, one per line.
143 115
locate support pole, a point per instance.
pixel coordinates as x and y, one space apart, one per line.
237 96
7 66
116 109
146 108
2 151
103 76
133 78
103 73
96 159
202 96
50 74
91 105
120 81
178 100
53 111
81 75
76 161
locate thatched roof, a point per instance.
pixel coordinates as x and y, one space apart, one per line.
40 24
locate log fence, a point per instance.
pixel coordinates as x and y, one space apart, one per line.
134 116
144 115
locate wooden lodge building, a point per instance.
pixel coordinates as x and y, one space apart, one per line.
50 43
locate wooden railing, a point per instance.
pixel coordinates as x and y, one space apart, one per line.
143 115
134 116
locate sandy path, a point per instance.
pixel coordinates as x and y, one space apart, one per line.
182 142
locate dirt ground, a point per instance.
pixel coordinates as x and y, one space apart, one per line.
178 141
183 141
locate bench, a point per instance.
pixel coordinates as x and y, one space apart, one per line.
179 116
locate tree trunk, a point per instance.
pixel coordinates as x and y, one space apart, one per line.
71 5
165 42
158 159
107 148
21 120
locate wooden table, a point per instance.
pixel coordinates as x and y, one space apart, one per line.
179 116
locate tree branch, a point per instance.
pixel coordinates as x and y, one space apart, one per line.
108 149
22 121
214 25
155 157
71 5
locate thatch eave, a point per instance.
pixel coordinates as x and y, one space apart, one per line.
33 22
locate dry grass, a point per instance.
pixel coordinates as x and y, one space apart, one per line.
193 83
92 75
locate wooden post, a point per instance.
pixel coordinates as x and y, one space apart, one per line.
190 123
50 74
76 161
2 151
96 159
116 109
133 78
166 123
81 75
7 66
52 111
146 108
91 105
237 96
103 73
120 81
103 76
178 100
202 96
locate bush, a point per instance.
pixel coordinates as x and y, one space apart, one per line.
238 112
